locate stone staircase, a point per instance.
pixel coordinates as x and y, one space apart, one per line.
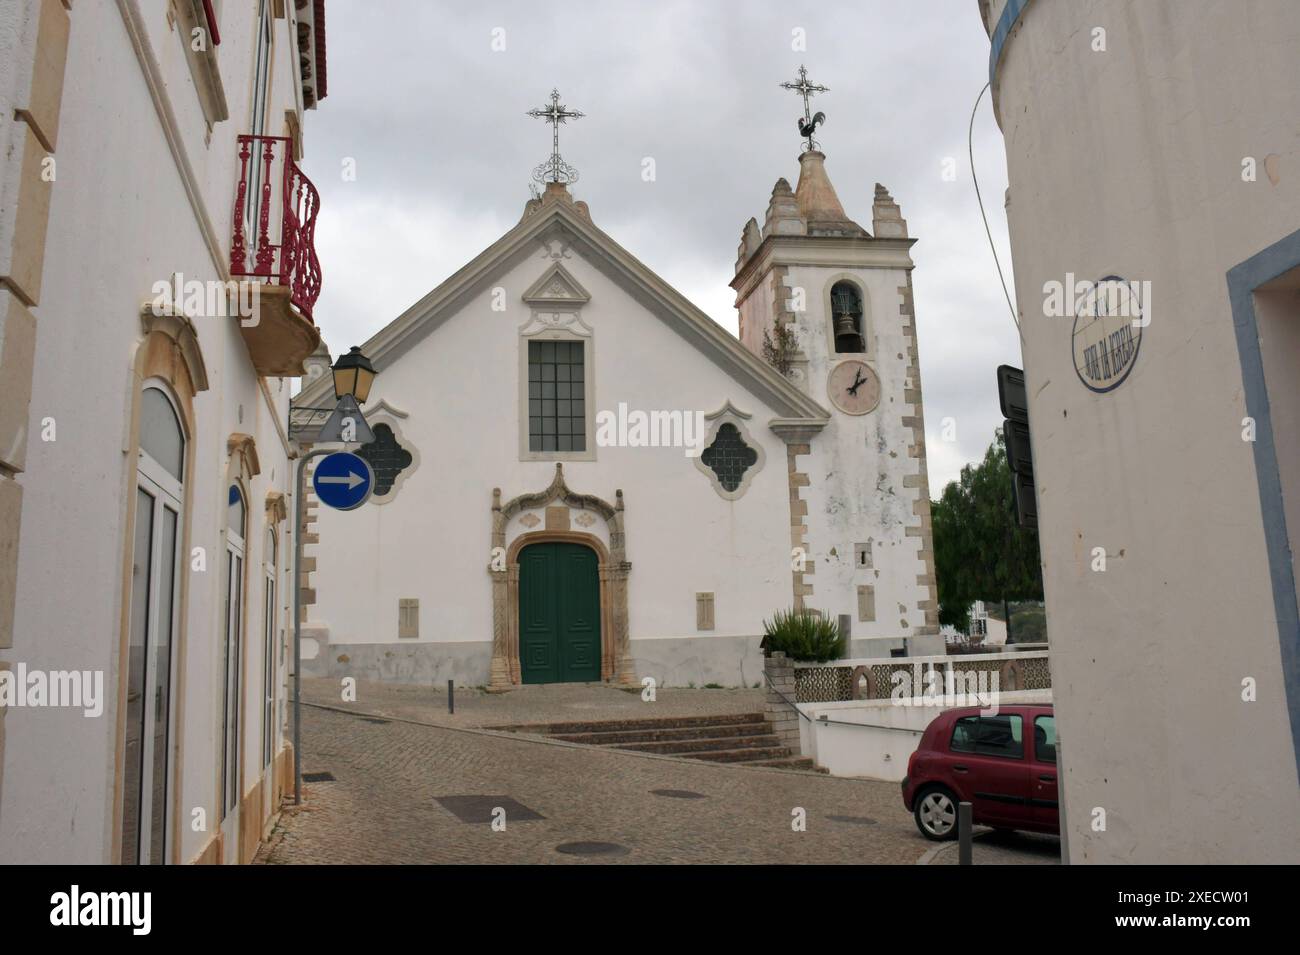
731 738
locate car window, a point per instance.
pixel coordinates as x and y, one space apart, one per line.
989 736
1000 736
1045 738
963 735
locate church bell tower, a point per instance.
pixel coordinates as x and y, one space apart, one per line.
829 305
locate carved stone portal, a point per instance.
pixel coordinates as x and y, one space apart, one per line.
615 655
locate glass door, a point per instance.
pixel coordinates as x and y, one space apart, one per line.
155 590
232 661
269 635
268 652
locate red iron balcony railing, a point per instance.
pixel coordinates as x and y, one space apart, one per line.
262 213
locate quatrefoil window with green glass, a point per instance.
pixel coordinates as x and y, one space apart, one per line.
729 457
387 458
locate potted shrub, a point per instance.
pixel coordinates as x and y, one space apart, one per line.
804 635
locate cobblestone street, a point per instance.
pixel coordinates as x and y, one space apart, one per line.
990 847
382 805
396 751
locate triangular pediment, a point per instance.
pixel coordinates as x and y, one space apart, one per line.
557 224
555 288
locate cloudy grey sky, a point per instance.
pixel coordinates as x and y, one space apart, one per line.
434 119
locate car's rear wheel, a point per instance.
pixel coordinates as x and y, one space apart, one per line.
936 814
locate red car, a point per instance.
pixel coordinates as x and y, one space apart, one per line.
1004 765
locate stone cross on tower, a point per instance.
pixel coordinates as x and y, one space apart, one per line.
808 125
555 169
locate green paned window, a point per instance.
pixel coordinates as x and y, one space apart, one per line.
557 419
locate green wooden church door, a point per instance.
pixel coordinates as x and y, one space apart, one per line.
559 614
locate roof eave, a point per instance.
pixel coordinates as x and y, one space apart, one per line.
763 253
722 347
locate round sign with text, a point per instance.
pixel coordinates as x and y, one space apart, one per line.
1108 320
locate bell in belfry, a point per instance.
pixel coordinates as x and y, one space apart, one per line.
847 310
846 329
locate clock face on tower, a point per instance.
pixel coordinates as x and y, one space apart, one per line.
853 387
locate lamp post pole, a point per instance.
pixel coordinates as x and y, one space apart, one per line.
300 510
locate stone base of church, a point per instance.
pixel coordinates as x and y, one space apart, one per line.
673 661
424 664
670 661
738 661
698 661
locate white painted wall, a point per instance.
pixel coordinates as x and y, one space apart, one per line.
858 463
120 220
874 739
1129 161
460 388
996 635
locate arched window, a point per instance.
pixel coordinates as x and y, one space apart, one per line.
160 432
847 318
231 643
154 623
235 511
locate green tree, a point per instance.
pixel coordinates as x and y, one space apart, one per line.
980 552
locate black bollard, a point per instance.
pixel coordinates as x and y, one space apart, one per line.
451 696
963 833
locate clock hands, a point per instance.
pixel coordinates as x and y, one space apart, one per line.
847 395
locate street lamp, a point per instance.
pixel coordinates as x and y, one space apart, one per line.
353 375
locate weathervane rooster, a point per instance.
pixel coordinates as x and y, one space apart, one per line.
808 127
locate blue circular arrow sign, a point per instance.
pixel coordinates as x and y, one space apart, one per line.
343 480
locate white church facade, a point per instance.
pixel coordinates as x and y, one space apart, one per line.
582 477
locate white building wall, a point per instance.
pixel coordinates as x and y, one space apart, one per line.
860 464
120 220
1129 162
460 388
874 739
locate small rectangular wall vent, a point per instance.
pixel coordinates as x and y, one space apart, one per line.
408 618
866 603
862 556
704 611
